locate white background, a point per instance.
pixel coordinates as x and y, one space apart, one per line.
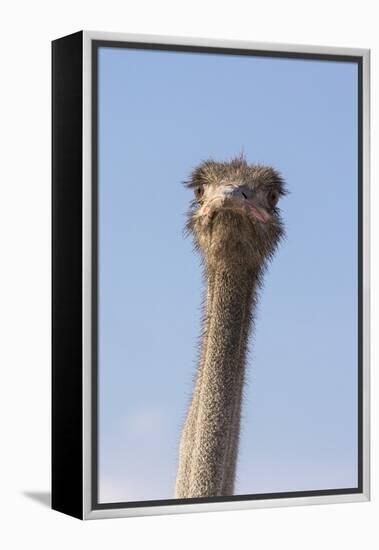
27 28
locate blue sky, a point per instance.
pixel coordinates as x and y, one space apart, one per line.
160 114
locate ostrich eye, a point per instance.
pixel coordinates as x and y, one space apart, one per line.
199 192
273 198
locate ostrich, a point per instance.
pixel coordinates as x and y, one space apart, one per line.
236 227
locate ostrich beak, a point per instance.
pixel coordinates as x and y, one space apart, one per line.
246 195
259 213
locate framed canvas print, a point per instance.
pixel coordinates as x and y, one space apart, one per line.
210 275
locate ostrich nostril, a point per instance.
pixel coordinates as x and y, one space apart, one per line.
233 191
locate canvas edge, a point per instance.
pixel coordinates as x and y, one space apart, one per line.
66 250
87 275
222 506
364 54
224 43
366 284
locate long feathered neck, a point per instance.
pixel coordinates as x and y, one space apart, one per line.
209 443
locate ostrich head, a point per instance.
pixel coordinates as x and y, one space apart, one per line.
234 216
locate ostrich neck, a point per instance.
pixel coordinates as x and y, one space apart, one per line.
219 387
230 465
189 429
